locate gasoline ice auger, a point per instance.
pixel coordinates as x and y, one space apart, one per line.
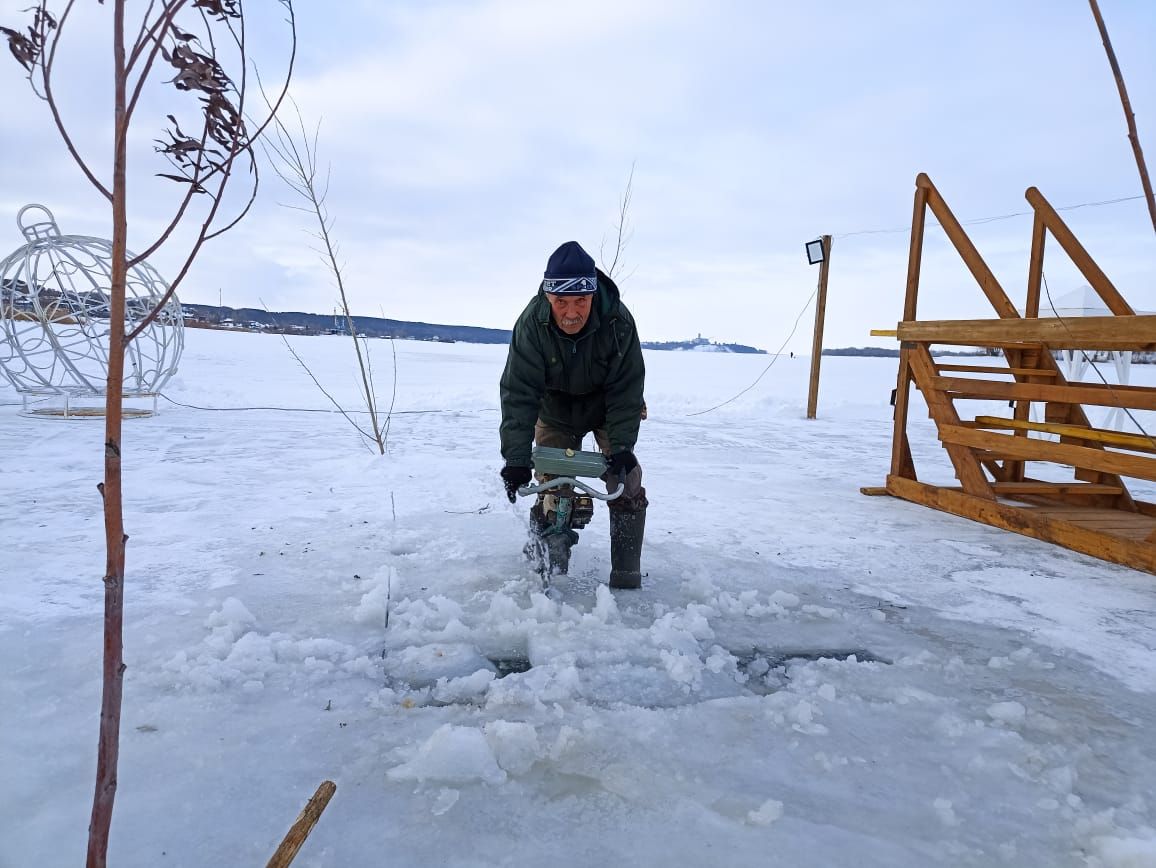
567 503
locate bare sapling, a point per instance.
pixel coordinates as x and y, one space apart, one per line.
293 154
623 233
193 56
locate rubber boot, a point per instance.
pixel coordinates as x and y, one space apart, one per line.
626 529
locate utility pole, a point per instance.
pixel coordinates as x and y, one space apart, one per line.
820 315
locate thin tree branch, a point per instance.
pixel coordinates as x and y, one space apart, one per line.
622 231
47 66
1133 136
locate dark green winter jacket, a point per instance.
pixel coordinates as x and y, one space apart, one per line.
577 384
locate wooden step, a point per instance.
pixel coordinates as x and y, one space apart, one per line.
1055 488
996 369
1135 442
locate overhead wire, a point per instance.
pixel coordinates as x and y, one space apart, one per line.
979 221
976 221
322 410
774 359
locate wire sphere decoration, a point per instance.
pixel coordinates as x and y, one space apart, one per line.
55 300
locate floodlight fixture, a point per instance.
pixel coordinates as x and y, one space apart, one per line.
815 251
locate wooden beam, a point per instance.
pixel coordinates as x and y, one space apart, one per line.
1035 267
997 369
902 464
874 490
1045 450
1089 332
971 258
1135 442
1098 394
1131 553
1079 256
883 333
967 467
1059 489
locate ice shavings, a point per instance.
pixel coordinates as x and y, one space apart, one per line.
234 653
436 662
1009 713
515 745
454 754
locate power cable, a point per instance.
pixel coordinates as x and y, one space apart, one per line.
774 359
316 410
978 221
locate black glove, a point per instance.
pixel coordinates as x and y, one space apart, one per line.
513 477
621 463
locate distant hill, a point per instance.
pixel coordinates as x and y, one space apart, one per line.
294 322
700 345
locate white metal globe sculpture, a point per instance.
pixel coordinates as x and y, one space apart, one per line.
54 316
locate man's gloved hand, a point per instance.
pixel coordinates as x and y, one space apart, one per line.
514 477
621 463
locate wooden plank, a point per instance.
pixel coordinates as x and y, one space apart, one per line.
1089 332
1055 488
1134 397
874 490
1075 250
996 369
1057 453
967 467
1129 552
1113 517
1135 442
884 333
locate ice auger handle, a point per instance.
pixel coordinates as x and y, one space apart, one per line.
558 482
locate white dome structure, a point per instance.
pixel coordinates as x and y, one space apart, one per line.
54 318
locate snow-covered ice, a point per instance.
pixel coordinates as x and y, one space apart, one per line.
809 677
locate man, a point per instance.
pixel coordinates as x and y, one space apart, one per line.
575 365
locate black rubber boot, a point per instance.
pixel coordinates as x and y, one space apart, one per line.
626 529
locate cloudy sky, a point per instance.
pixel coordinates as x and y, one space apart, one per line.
468 139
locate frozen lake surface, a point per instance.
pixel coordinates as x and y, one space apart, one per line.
809 677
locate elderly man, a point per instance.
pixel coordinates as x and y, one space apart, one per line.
575 365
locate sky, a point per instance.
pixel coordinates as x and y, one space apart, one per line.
466 140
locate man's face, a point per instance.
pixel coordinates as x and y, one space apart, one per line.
570 311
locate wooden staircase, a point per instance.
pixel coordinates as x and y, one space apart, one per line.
1093 511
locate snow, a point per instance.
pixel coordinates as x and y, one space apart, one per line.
806 672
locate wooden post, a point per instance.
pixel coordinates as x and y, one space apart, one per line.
902 464
820 315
